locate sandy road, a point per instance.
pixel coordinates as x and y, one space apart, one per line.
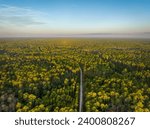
81 91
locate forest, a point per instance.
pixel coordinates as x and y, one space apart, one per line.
44 75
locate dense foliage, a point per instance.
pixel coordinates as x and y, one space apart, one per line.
44 74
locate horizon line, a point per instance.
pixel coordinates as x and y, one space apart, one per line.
83 35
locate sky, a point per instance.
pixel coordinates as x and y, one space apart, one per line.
44 18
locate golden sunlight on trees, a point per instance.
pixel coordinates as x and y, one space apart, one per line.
44 75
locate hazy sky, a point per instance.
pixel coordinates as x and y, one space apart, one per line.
53 17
